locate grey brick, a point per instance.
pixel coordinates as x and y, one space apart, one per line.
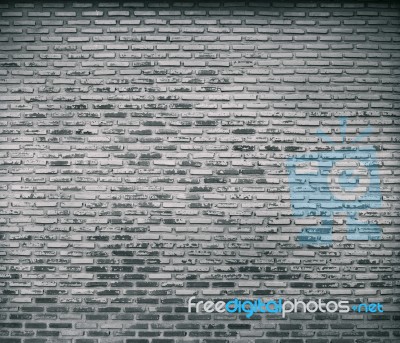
144 150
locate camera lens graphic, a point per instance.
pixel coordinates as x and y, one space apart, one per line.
352 179
343 181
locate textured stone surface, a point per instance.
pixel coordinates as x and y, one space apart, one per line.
143 160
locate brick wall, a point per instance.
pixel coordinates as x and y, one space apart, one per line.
146 157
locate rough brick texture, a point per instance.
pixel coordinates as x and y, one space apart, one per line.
143 160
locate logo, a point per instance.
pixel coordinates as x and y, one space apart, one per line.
249 307
334 181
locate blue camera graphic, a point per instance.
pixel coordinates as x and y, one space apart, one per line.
332 184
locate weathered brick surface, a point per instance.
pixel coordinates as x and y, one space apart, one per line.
143 151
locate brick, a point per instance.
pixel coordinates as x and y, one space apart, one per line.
146 152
